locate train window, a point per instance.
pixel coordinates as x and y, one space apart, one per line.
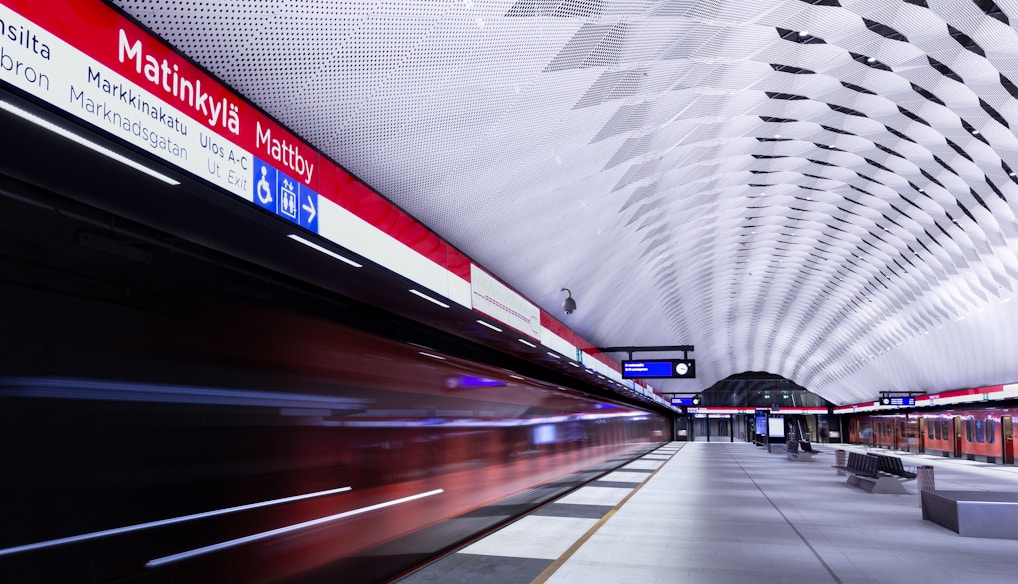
936 424
945 426
929 428
991 431
980 431
970 430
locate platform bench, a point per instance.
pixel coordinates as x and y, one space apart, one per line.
893 465
864 472
796 455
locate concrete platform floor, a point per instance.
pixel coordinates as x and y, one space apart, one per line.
731 513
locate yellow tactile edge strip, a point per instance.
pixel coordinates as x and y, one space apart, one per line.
550 570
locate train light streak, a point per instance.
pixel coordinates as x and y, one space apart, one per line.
279 531
164 522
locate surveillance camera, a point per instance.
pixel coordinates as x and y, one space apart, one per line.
568 305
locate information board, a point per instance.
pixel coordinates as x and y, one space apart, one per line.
761 422
776 427
659 369
897 401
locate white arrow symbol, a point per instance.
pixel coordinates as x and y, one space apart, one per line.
310 208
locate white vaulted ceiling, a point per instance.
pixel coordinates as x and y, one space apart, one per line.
820 190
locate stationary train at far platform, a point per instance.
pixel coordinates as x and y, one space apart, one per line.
983 434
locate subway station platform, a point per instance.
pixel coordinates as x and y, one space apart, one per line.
729 513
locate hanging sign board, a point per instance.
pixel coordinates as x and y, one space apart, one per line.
659 369
897 401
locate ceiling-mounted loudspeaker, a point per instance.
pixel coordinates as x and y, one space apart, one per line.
568 305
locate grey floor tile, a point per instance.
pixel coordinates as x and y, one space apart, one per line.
574 510
478 569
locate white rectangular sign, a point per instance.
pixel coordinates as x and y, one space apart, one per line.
495 299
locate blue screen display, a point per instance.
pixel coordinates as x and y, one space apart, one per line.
761 422
659 368
645 369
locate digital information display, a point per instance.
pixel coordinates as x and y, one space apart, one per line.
761 422
682 401
659 369
897 401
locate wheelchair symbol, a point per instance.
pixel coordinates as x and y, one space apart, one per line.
263 188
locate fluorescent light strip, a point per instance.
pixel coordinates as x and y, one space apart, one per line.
527 343
42 123
491 326
327 252
553 354
274 532
162 522
573 364
432 355
429 298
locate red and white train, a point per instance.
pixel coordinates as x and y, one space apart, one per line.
983 434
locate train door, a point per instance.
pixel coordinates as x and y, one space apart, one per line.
921 437
1008 439
956 425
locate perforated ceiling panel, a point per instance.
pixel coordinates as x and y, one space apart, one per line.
818 189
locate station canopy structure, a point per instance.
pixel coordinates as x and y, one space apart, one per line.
823 190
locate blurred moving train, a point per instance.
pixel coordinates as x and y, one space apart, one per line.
297 407
172 414
984 434
256 444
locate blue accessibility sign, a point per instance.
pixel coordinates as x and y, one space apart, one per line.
284 196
